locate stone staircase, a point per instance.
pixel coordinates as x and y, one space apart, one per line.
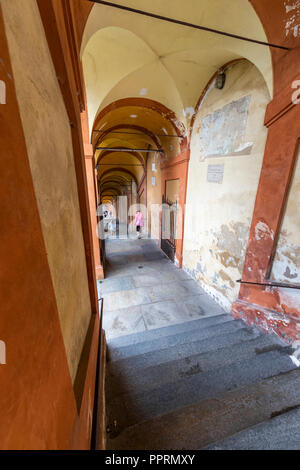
212 383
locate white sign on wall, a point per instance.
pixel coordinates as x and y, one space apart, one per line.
215 173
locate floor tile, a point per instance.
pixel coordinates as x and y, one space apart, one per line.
123 322
159 314
116 284
199 305
127 298
144 290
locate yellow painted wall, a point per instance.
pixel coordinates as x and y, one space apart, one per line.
115 160
150 81
167 62
172 190
49 146
218 216
107 60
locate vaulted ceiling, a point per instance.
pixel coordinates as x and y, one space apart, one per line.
144 76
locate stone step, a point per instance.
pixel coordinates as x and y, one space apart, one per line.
150 335
208 345
120 381
199 425
129 409
170 341
279 433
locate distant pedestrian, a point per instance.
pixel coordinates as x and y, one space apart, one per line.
112 226
139 222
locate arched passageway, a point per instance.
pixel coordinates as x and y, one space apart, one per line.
190 145
187 112
132 137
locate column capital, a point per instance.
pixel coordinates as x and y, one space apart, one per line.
283 102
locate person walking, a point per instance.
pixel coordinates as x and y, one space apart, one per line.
112 226
139 222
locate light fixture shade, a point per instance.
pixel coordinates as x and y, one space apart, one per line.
220 80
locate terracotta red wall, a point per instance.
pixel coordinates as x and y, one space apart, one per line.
37 401
84 420
267 306
92 192
64 24
177 168
142 189
36 388
37 404
59 23
81 10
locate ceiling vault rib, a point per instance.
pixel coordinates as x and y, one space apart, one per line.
190 25
140 134
129 150
120 164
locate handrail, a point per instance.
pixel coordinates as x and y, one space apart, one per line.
270 284
97 396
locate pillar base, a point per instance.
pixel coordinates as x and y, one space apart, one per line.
268 319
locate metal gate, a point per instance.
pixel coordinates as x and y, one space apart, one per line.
168 228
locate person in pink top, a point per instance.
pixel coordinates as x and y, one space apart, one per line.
139 222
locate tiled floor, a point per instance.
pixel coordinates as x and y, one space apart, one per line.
143 290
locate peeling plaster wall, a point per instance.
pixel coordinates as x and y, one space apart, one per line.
49 145
218 214
286 265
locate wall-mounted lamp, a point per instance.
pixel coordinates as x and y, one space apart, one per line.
220 80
